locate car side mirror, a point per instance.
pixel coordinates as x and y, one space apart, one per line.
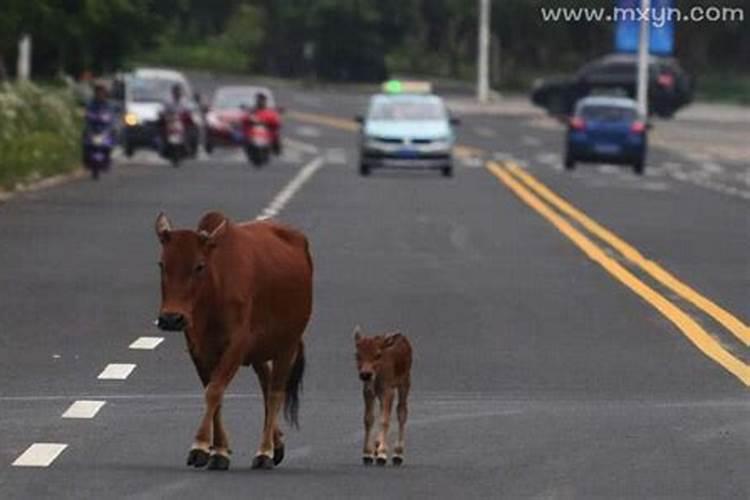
359 119
455 121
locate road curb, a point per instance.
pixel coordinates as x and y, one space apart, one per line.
42 184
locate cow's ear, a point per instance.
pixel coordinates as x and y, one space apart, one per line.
210 239
357 333
162 227
390 339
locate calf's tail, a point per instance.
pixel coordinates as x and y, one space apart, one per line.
294 387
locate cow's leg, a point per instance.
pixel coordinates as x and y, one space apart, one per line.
263 371
368 452
402 411
200 452
220 451
386 403
221 375
276 393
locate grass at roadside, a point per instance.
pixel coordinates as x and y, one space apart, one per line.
730 89
40 133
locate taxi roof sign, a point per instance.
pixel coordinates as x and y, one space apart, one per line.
407 87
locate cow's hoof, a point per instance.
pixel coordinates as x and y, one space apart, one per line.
278 455
398 460
367 461
262 462
198 458
381 461
218 462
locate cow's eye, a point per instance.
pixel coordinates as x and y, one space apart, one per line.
199 267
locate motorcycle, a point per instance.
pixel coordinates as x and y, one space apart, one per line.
257 142
98 142
175 147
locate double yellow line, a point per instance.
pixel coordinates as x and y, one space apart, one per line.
551 207
555 210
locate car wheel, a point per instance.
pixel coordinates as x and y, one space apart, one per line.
447 171
364 170
570 163
129 150
208 147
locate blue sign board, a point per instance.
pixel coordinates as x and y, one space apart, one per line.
628 30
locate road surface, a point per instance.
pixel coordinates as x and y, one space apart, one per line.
576 335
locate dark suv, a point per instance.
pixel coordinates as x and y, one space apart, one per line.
670 88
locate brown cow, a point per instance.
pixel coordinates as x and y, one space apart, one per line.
242 293
384 365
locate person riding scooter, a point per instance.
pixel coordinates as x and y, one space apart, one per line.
98 133
177 109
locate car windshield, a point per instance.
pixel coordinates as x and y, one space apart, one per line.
607 113
233 100
151 89
412 110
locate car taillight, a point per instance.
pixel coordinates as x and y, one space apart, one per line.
577 123
638 127
666 80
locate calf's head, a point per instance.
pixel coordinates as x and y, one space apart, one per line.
185 268
369 353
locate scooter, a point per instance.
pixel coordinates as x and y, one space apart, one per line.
257 142
175 147
98 142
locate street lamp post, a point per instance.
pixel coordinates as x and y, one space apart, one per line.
483 62
644 49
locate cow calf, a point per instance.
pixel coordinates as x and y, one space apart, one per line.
384 366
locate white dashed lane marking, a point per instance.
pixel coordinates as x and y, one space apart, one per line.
83 409
308 131
286 194
146 343
531 141
117 371
40 455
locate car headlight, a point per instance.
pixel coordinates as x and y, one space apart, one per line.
130 119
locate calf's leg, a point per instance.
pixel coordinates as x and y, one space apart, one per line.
368 453
402 411
386 403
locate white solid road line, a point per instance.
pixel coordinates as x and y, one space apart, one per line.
84 408
116 371
40 455
147 343
286 194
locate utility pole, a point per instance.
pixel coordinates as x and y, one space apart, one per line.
483 62
23 65
644 50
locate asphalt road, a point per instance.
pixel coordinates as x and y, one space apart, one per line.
538 372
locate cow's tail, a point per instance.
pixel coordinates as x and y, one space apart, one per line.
294 387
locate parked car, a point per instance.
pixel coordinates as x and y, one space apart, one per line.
227 111
607 129
145 92
407 130
670 88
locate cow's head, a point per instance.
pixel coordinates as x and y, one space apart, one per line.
185 269
369 353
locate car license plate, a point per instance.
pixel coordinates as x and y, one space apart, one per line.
407 153
607 149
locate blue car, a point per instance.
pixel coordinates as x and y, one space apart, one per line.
607 130
407 131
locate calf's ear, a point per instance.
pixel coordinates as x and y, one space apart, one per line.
357 333
390 339
162 227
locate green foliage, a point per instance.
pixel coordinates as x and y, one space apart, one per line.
40 133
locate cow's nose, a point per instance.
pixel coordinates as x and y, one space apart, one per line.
171 322
365 376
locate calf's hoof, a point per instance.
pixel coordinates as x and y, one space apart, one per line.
367 460
398 460
198 458
218 462
278 455
262 462
381 461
